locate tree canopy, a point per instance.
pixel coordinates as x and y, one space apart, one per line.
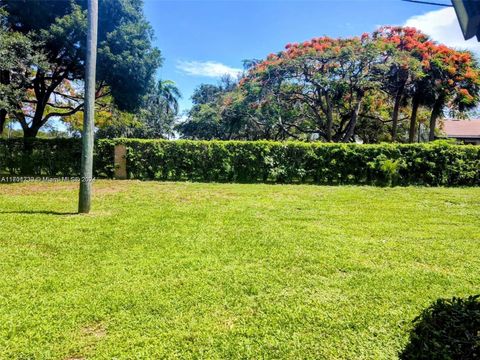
380 86
375 87
155 118
56 30
16 61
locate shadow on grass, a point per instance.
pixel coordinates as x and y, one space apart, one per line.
38 212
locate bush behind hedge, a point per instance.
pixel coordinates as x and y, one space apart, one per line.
434 164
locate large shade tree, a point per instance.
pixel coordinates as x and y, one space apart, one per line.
16 61
429 74
371 88
324 80
57 29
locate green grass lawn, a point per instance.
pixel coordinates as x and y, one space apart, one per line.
227 271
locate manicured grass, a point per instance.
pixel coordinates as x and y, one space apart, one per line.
210 271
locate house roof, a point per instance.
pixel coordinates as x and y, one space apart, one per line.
461 128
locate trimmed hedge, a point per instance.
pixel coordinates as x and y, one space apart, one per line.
434 164
51 157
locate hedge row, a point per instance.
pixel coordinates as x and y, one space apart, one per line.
51 157
435 164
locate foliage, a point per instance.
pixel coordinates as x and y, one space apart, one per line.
154 119
160 109
436 164
57 30
203 120
228 271
16 60
325 80
51 157
342 90
447 329
431 74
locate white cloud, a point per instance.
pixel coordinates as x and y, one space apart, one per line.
442 25
207 69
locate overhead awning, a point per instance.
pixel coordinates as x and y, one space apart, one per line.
468 14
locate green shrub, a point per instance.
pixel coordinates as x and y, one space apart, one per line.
448 329
52 157
432 164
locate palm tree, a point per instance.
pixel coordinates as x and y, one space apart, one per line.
168 95
161 108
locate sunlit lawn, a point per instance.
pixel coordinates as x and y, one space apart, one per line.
211 271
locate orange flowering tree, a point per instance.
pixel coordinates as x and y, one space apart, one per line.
453 79
375 87
405 68
324 81
429 74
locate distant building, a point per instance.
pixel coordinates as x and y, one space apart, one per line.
467 131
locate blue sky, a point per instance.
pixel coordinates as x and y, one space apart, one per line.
200 40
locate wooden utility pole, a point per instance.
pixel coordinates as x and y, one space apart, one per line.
86 173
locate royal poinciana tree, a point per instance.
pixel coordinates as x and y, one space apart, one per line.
428 74
373 87
56 30
324 80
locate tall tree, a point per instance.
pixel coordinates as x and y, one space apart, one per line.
167 96
57 28
456 83
16 61
160 110
404 69
326 80
445 77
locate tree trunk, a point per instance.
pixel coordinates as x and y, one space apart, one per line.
37 120
4 80
413 119
329 118
31 132
353 120
396 109
437 108
3 119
